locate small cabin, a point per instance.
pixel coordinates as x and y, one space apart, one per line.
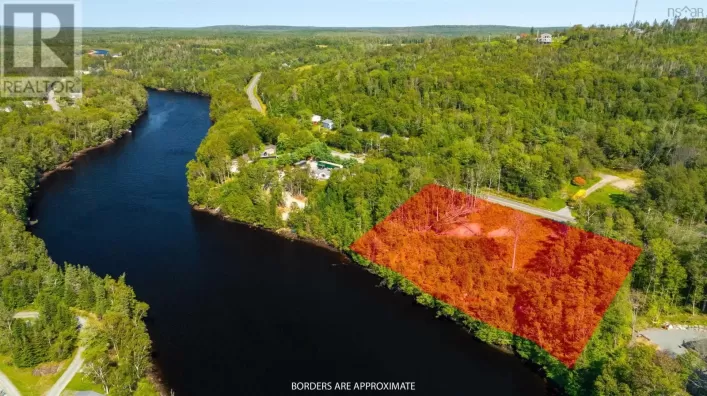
99 52
269 151
545 38
322 174
316 119
328 124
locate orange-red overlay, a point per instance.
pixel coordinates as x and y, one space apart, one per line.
536 278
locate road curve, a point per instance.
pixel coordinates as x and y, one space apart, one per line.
560 215
605 180
65 378
5 384
250 90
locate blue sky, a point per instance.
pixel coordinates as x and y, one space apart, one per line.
195 13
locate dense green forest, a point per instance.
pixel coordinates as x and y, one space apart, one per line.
34 140
507 114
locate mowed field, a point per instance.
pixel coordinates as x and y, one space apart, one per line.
536 278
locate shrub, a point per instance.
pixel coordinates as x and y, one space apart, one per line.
579 181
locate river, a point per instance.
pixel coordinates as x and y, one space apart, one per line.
240 311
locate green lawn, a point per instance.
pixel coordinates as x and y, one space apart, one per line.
610 196
23 379
82 383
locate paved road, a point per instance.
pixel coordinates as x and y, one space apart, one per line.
65 378
560 215
250 90
7 386
672 340
68 375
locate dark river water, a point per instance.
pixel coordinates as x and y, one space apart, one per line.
239 311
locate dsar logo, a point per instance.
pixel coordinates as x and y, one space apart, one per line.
41 48
686 12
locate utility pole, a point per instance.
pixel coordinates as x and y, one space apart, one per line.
635 7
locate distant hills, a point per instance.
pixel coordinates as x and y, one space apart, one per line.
437 30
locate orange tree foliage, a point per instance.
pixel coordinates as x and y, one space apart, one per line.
533 277
579 181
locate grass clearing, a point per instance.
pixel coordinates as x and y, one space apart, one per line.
610 196
27 383
82 383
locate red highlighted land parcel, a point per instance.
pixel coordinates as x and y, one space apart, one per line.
542 280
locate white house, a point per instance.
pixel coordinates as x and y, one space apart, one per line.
7 109
328 124
322 174
28 103
316 119
545 38
269 152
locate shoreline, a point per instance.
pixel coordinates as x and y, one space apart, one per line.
67 165
154 375
373 268
282 232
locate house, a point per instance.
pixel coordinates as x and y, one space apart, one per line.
7 109
300 164
99 52
322 174
28 103
328 124
269 152
384 136
316 119
545 38
75 95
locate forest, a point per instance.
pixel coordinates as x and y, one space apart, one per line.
34 140
467 113
532 277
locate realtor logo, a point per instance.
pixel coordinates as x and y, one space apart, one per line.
41 48
686 12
